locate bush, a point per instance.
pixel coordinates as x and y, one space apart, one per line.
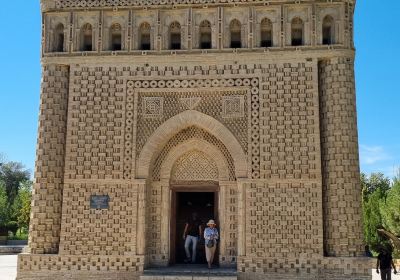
12 226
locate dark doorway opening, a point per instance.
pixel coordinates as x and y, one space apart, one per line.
184 204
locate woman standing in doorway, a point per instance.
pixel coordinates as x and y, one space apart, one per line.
211 236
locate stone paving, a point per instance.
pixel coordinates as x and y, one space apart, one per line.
8 269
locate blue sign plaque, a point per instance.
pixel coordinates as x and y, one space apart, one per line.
99 201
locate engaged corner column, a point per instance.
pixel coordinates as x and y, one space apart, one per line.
45 224
141 218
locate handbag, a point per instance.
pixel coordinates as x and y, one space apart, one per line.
210 243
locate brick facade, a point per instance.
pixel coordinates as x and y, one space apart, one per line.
274 128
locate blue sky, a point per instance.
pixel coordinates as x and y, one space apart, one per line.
377 81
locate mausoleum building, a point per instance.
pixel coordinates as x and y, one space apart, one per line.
242 111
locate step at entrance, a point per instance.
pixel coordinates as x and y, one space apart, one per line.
192 272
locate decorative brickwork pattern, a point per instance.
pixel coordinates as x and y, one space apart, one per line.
231 216
49 174
99 232
153 227
45 267
195 166
208 101
340 163
289 117
282 216
96 124
315 268
185 135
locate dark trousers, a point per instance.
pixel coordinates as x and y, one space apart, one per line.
386 274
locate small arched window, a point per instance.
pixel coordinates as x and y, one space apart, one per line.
235 29
144 36
116 37
266 33
58 44
175 36
87 37
327 31
205 34
297 32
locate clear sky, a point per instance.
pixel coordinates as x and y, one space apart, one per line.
377 81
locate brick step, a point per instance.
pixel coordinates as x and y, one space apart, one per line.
187 277
189 272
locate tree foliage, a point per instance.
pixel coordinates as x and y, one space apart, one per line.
22 205
390 209
4 211
381 208
374 187
12 174
15 196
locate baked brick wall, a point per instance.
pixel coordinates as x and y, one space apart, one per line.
283 220
49 173
340 162
47 267
87 231
96 118
289 126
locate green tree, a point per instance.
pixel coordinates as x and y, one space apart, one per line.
22 205
12 174
390 209
3 205
373 218
375 188
373 182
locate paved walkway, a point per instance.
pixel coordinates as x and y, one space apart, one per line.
8 269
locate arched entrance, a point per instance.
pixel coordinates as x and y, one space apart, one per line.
188 154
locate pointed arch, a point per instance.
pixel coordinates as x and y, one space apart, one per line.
144 36
115 37
266 33
235 29
175 36
195 145
297 32
181 121
86 37
205 34
59 38
328 30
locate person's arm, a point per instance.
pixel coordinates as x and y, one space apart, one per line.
377 265
206 235
200 230
185 230
394 267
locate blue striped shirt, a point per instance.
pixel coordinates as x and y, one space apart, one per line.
211 234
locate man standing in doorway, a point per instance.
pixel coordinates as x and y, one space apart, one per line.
191 235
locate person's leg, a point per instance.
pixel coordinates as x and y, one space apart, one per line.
187 244
386 274
194 248
208 256
383 274
212 250
389 274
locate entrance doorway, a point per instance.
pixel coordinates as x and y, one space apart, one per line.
185 202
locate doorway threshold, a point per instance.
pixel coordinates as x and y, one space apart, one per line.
195 270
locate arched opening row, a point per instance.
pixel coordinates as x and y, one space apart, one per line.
205 35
